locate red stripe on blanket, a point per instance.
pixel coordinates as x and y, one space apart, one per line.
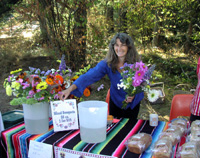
133 131
61 143
16 144
4 133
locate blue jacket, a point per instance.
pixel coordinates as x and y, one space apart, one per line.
95 74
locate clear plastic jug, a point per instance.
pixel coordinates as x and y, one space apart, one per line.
93 120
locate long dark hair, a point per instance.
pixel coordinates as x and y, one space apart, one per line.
131 56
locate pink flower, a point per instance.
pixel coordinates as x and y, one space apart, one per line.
56 96
139 75
25 85
42 98
141 66
20 81
31 92
136 82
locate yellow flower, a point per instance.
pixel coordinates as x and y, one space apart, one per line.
42 85
74 78
129 79
134 90
16 71
8 90
15 85
5 83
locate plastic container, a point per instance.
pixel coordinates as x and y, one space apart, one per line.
12 118
153 119
36 117
93 121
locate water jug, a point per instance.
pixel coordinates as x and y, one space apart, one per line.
93 120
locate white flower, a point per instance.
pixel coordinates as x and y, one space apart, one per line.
153 95
53 71
67 84
121 85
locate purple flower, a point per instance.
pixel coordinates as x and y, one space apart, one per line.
131 66
10 78
32 69
62 64
126 71
149 72
43 72
100 87
47 73
37 71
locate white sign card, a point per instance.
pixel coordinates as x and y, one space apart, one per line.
67 153
64 115
40 150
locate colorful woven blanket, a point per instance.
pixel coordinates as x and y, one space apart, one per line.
15 140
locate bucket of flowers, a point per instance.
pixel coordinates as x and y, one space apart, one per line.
136 79
34 89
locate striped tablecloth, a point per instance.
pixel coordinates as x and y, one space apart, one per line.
15 140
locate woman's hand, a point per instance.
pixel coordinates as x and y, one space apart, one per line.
64 95
129 99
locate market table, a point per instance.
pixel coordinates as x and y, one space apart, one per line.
15 141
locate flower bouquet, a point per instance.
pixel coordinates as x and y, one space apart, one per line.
135 79
34 85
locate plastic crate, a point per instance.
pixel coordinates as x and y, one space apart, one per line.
12 117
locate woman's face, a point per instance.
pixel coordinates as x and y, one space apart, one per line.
120 48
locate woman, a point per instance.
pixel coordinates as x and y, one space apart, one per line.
195 105
121 50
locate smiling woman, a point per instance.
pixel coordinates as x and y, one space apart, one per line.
121 50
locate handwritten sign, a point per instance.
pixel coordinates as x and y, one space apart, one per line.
64 115
40 150
67 153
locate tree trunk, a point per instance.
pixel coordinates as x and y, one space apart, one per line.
110 20
188 35
78 47
123 21
155 32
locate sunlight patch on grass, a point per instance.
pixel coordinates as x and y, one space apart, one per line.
27 34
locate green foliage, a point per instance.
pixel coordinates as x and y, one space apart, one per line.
82 71
20 101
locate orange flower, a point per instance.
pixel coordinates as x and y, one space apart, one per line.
86 92
37 79
34 89
50 80
58 79
57 89
21 75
